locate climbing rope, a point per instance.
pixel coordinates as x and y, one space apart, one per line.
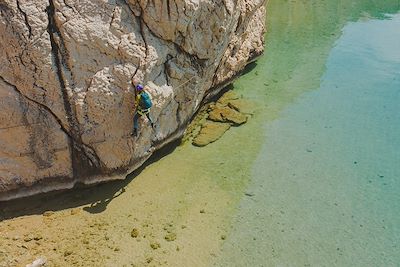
182 84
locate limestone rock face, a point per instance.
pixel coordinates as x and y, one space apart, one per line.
65 81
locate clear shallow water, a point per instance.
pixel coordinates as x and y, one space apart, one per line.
326 184
319 111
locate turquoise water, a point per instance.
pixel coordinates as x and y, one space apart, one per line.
325 188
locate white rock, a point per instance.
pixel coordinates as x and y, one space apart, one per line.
38 262
66 109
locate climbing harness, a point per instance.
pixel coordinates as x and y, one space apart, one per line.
143 111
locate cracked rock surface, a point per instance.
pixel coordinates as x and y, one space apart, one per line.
66 98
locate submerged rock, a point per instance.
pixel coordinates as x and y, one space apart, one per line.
210 132
239 103
242 106
155 245
134 233
65 81
227 114
170 237
227 97
229 110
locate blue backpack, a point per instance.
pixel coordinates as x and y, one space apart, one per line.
145 101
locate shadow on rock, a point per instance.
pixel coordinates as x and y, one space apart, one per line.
97 197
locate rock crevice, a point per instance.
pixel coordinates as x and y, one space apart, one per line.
84 160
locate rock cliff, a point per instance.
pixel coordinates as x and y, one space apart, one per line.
65 81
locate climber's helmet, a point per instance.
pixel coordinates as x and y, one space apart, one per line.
139 87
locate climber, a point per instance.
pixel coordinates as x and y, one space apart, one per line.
142 105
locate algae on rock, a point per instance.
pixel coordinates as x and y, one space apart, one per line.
219 118
210 132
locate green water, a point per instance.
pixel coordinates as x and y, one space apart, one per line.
325 187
